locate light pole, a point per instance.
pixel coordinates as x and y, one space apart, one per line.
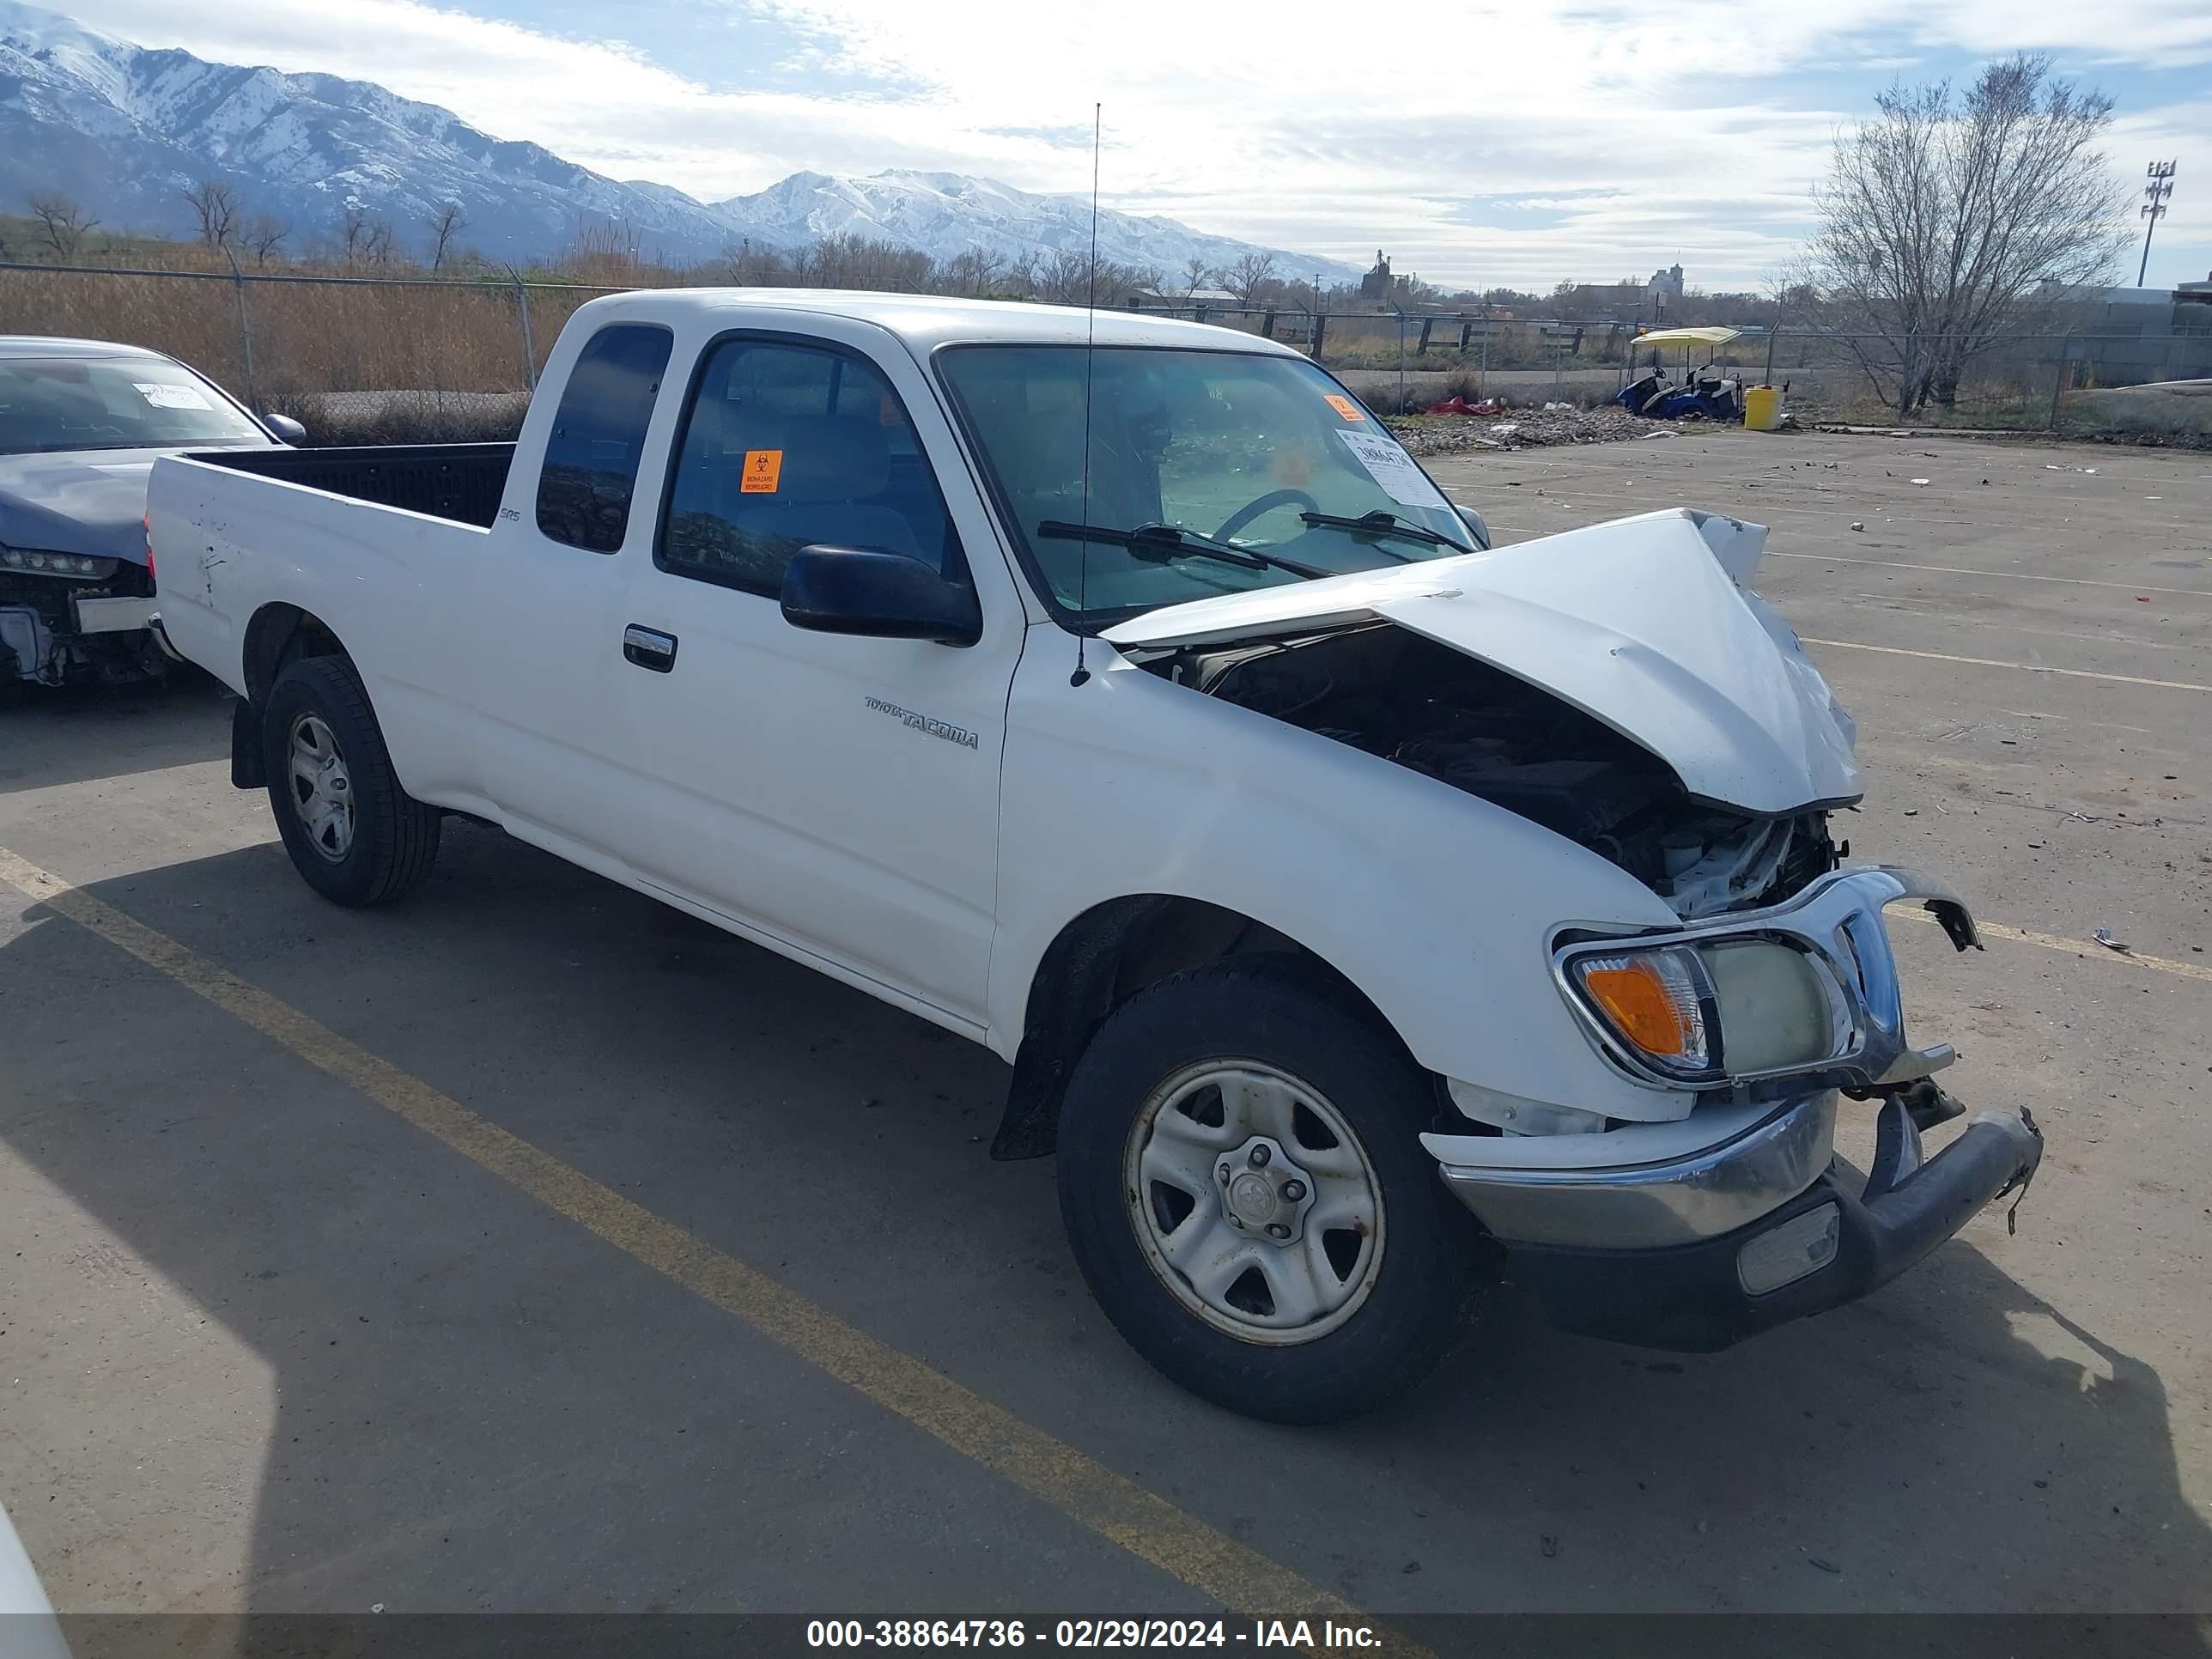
2160 175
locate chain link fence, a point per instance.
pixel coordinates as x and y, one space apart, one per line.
369 359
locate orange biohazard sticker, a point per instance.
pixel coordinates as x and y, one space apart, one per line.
764 467
1344 407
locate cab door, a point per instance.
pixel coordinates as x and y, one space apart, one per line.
839 792
560 753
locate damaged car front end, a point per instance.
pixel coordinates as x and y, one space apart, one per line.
81 425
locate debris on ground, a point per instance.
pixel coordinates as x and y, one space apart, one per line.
2110 941
1451 433
1458 405
1857 525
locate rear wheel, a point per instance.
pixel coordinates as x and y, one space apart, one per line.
1247 1197
354 834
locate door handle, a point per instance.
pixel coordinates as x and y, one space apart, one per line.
648 647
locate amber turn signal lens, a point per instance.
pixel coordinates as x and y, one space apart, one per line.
1657 1001
1636 1000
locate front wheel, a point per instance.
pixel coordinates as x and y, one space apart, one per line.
1246 1196
354 835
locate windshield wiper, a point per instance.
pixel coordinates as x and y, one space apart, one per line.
1381 523
1159 543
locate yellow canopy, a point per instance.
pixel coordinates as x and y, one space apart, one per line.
1713 337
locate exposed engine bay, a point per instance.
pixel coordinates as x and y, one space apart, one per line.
1392 693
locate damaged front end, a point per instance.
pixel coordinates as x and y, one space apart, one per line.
1392 693
1620 685
69 618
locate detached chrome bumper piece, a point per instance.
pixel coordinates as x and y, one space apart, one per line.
1637 1202
1763 1229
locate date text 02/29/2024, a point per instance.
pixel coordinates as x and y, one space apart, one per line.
1085 1633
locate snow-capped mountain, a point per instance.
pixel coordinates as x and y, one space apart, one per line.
944 213
126 131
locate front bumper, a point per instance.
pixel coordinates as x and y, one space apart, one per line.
1697 1296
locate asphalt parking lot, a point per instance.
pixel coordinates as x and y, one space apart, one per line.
528 1246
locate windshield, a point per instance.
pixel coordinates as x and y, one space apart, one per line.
1237 446
112 403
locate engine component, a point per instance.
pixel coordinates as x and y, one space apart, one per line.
1391 693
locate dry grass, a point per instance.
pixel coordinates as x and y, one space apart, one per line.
306 338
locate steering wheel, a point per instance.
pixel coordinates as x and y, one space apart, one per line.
1267 503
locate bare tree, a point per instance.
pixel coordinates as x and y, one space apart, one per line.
1244 278
264 236
446 224
1949 222
973 269
749 264
355 232
1067 278
61 220
1196 275
215 205
1022 271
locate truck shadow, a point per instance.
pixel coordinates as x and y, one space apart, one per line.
476 1405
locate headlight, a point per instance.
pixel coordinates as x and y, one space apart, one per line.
1776 1006
56 564
1705 1013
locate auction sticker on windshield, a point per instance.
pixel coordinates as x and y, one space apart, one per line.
1344 407
1394 468
160 396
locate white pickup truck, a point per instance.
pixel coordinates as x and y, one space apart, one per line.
1352 900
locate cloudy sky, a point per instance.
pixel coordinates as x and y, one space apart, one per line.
1521 143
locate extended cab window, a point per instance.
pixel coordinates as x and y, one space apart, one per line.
591 460
785 446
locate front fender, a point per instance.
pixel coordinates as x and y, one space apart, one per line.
1439 906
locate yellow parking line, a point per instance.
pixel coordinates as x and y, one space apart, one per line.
1117 1508
2026 667
2079 946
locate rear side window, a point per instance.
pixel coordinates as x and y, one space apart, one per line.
591 460
788 445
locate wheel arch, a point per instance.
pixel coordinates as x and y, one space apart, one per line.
1107 955
278 636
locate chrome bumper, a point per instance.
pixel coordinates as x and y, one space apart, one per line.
1633 1206
1832 1243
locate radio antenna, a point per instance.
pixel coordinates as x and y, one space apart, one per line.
1090 355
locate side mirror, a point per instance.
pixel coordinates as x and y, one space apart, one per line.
284 429
1476 528
845 590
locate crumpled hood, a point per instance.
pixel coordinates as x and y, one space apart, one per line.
86 501
1644 624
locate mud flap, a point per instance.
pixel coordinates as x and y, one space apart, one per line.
247 769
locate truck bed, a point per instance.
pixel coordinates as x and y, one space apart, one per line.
459 482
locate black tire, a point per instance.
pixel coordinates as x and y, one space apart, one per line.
1430 1263
394 837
